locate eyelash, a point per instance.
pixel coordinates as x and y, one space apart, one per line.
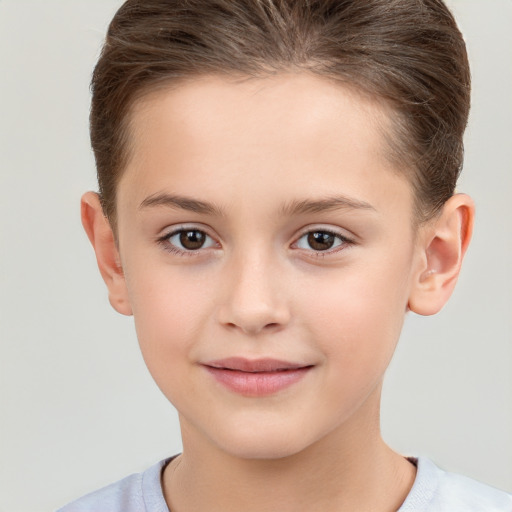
344 242
164 241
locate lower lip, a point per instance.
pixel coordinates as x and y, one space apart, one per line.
257 383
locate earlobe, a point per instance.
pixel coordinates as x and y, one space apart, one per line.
442 248
102 238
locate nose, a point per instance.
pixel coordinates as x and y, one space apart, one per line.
254 296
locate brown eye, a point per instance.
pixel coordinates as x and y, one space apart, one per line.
192 239
187 240
321 240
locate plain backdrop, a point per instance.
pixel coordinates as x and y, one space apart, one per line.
78 407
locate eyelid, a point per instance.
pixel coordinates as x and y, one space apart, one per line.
170 231
337 232
328 228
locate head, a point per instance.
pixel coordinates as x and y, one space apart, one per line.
277 182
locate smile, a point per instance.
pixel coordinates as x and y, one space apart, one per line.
256 377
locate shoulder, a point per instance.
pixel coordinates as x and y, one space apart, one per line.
135 493
435 490
470 495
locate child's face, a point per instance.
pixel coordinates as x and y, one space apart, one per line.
296 245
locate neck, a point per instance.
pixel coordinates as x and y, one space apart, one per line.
350 469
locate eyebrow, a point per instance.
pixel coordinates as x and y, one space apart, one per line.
181 202
326 204
293 208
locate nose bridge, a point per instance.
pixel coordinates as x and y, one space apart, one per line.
254 300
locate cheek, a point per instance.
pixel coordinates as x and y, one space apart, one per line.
358 317
360 335
169 309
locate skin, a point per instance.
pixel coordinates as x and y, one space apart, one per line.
252 152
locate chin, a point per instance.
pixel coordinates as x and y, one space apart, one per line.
261 451
264 442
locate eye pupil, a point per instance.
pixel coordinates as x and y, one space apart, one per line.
321 240
192 239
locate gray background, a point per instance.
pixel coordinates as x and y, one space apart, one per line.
78 408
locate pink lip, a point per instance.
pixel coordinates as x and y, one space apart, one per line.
258 377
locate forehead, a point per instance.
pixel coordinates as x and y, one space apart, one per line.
291 130
301 106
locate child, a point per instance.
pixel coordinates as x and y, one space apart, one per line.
276 192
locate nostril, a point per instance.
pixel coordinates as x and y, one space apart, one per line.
253 318
254 329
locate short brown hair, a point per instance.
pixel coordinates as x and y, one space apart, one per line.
408 53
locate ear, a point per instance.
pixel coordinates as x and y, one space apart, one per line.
100 234
442 245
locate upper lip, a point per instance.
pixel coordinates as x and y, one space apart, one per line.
254 365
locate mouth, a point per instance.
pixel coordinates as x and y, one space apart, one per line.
257 377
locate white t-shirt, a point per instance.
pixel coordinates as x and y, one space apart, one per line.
434 490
